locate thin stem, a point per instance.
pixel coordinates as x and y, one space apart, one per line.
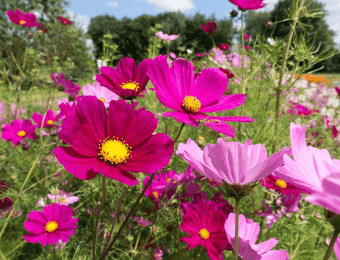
331 244
237 211
105 252
179 133
319 235
98 216
242 72
198 251
131 101
23 242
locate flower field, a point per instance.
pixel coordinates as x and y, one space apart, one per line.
228 154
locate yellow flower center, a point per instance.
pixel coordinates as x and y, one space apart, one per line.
21 133
65 22
175 181
201 138
191 104
115 151
155 255
51 226
204 233
130 85
168 179
50 122
22 22
281 184
102 100
62 200
155 194
4 213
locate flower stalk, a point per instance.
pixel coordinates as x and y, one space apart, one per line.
331 244
237 212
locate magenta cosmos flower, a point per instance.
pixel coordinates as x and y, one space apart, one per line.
273 182
232 162
248 234
166 37
63 198
191 98
310 165
128 80
102 93
64 20
112 144
49 121
204 224
53 223
247 37
26 20
248 4
209 28
18 130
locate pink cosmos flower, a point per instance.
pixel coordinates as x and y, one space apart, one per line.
232 162
247 37
66 107
204 224
142 221
198 54
337 248
248 4
64 20
209 28
166 37
310 165
102 93
337 89
157 253
18 130
49 121
219 55
112 144
26 20
191 98
67 86
127 81
63 198
5 202
40 203
248 234
58 78
53 223
273 182
301 110
285 203
227 73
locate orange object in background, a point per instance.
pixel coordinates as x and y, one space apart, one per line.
315 78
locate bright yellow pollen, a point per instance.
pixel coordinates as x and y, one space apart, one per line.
204 233
130 85
175 181
51 226
102 100
21 133
115 151
50 122
281 184
191 104
155 255
201 138
155 194
22 22
62 200
168 179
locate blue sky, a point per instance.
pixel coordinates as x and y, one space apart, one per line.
81 11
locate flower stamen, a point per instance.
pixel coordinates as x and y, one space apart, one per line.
281 184
204 233
133 85
114 150
51 226
22 22
21 133
191 104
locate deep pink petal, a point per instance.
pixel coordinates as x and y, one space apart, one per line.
182 117
225 103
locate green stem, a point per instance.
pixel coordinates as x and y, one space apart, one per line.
242 72
23 242
237 212
179 133
131 101
331 244
20 194
98 216
105 252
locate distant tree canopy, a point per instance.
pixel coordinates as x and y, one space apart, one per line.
316 28
132 36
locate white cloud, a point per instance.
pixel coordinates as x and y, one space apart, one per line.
113 4
80 21
172 5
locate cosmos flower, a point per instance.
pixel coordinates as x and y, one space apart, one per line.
273 182
209 28
102 93
64 20
53 223
112 144
128 80
301 110
191 98
26 20
248 234
63 198
204 224
248 4
18 130
227 73
49 121
310 165
223 46
232 162
142 221
247 37
166 37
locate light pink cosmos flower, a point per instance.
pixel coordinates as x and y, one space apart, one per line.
63 198
166 37
248 234
232 162
142 221
157 253
310 165
102 93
